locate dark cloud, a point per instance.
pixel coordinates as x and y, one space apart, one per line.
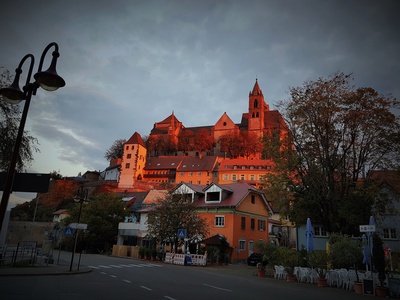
131 64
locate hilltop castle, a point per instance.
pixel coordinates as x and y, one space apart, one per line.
162 161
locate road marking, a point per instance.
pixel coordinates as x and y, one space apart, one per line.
92 267
104 273
170 298
146 288
126 266
113 276
105 267
116 266
217 288
127 281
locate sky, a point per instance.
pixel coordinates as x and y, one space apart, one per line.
128 63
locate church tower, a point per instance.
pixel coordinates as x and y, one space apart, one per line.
133 162
257 110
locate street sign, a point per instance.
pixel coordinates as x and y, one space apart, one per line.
367 228
78 226
181 233
68 232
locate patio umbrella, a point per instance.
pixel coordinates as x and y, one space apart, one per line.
370 245
309 236
366 250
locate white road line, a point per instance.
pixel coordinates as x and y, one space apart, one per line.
170 298
93 267
217 288
126 266
154 265
127 281
104 273
113 276
105 267
116 266
146 288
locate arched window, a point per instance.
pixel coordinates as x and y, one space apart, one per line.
255 103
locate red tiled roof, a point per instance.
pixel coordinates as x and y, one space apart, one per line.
191 163
163 162
136 139
390 177
230 163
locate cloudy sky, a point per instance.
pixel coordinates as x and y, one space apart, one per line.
128 64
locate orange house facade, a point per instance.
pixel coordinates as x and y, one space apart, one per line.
238 211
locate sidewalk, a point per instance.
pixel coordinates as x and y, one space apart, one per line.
60 268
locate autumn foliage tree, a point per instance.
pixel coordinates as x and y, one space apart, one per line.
339 132
240 144
186 141
116 150
203 141
173 213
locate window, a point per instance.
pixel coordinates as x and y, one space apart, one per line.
129 155
212 197
219 221
252 177
243 223
198 182
191 174
242 177
226 177
133 147
198 173
261 225
319 231
253 199
127 165
389 233
234 177
182 174
252 224
242 245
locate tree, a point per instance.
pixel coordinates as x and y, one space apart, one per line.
9 124
116 150
203 141
102 213
338 133
185 141
240 143
173 213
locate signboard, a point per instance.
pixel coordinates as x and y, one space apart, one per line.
181 233
78 226
367 228
368 287
27 182
68 231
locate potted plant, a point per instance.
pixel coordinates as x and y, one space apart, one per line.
261 272
378 259
141 252
290 260
318 260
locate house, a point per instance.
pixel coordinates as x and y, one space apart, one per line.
238 211
133 230
59 215
387 225
249 171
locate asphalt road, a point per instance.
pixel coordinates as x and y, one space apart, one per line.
123 278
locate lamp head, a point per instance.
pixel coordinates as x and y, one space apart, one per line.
49 80
13 93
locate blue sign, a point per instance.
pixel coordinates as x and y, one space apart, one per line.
68 232
181 233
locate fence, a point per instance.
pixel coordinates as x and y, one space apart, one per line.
179 259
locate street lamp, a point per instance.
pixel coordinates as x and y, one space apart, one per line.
81 196
48 80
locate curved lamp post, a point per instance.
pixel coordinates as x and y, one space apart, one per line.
48 80
81 196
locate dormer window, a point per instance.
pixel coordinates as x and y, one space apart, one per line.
213 197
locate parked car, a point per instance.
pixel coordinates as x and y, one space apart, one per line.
254 259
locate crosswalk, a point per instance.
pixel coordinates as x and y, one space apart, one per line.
120 266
